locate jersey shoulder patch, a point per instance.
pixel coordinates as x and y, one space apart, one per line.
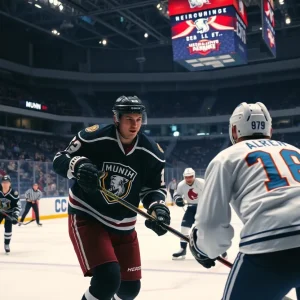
92 128
96 133
14 194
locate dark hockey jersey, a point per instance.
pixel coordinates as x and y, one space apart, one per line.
135 176
9 202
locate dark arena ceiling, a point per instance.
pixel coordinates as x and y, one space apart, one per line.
124 24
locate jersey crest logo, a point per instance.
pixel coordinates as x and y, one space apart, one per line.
4 204
92 128
118 180
192 195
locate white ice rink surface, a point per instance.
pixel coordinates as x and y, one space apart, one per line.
42 259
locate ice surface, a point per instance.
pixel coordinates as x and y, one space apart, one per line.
42 260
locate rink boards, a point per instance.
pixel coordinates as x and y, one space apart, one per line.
52 208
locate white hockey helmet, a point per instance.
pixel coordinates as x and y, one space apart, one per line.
189 172
248 120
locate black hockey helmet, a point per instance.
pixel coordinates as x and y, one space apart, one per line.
6 178
129 105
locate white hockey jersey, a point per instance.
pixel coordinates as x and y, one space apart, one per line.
190 193
261 181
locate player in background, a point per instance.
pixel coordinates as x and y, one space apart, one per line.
131 165
10 205
188 190
171 188
260 178
32 196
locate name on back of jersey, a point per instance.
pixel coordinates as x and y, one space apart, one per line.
264 143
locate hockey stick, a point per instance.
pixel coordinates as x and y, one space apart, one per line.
28 222
11 219
8 216
147 216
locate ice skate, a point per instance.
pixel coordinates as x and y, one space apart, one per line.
180 255
6 248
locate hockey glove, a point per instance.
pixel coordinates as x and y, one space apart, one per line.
14 217
202 259
161 212
179 202
86 173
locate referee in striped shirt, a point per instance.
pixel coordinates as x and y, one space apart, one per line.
32 196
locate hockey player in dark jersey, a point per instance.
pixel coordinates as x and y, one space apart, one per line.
131 166
10 205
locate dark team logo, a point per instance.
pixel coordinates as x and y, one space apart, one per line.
4 204
192 195
118 180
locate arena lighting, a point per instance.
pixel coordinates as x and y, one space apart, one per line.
281 2
55 32
287 19
37 5
176 133
146 35
104 42
158 6
162 6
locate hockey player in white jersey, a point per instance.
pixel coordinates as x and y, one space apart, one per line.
260 178
189 191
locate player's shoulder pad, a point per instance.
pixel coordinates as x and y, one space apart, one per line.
224 158
201 180
95 133
181 183
151 147
14 193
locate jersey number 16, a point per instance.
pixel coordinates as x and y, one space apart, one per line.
275 180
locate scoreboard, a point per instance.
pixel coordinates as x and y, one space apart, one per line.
268 25
208 34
